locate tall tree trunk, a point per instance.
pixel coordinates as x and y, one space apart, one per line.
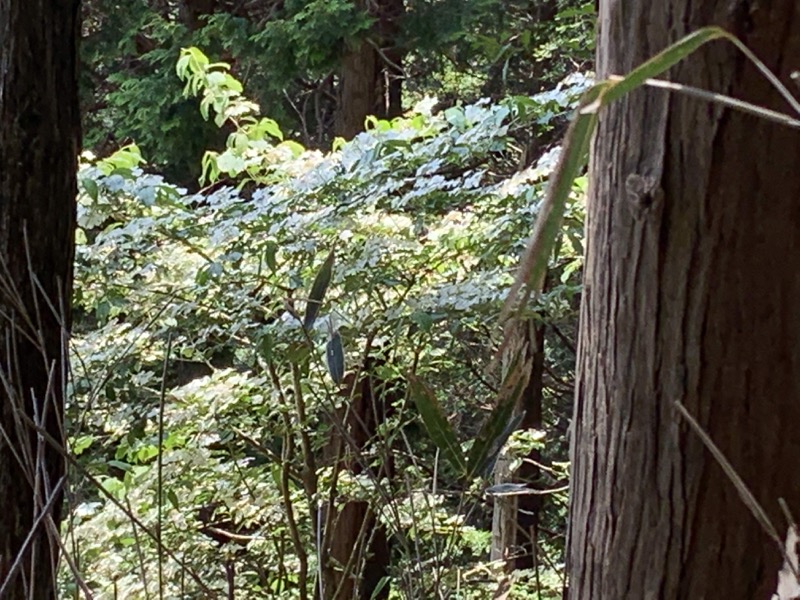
691 295
39 144
372 72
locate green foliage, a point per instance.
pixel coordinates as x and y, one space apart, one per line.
464 50
249 148
288 54
188 305
426 214
129 87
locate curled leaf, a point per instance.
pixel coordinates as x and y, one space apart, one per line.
318 289
334 352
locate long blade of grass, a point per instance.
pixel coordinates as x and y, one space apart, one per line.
501 423
574 152
747 497
727 101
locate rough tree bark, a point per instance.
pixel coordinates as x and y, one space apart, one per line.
691 295
39 145
371 72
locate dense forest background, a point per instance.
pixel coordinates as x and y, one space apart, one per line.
292 251
316 67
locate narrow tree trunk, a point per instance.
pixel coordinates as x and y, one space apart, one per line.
691 295
528 506
357 546
515 518
39 144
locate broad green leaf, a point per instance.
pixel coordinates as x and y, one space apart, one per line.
90 187
294 147
210 171
126 158
81 444
229 163
182 67
238 141
215 78
197 56
270 255
232 83
118 464
145 453
318 289
422 319
277 475
113 486
436 424
269 127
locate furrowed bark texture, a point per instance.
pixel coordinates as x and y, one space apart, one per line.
371 73
39 145
692 294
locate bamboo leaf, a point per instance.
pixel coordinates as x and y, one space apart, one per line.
334 352
494 433
501 422
436 424
574 152
318 289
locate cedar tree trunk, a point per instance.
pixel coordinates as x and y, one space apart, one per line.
371 74
39 145
692 294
